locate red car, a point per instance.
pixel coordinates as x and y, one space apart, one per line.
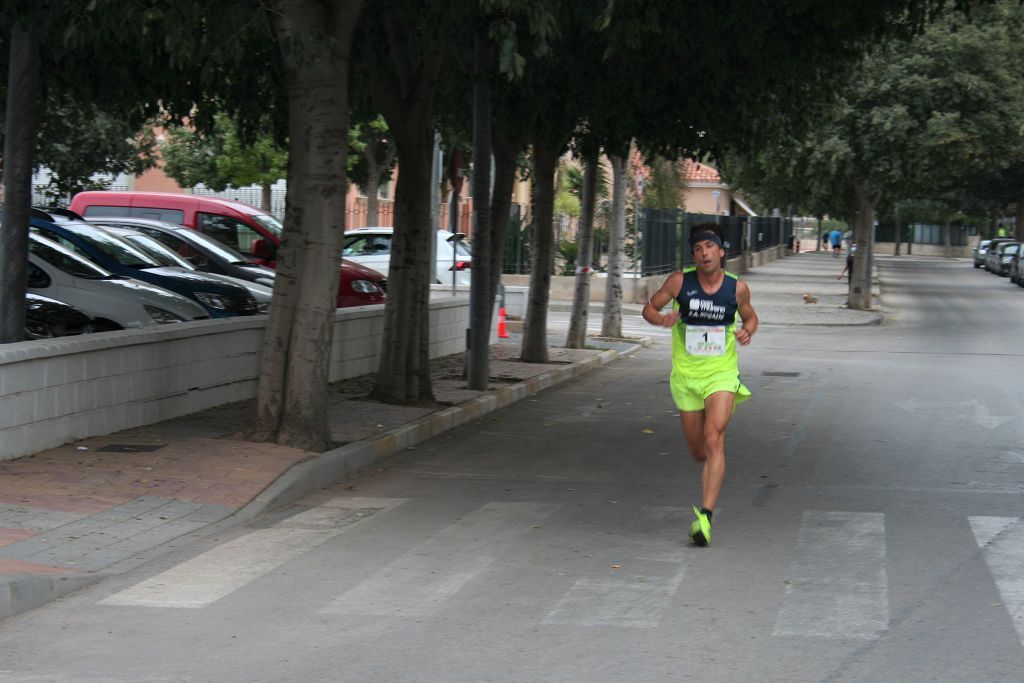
253 232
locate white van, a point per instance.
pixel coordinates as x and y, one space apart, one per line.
371 247
116 302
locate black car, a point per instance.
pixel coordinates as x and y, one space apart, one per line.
46 318
199 249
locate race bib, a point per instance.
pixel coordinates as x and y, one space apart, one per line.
704 340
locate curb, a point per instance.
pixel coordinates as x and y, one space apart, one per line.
26 592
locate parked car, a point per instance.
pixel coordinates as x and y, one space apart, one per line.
1017 268
46 318
245 229
112 253
165 257
992 255
202 251
1002 258
113 301
979 253
372 248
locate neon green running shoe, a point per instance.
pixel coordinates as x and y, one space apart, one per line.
700 529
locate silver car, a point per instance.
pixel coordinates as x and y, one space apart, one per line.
979 252
114 301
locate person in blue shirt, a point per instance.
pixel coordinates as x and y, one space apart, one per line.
837 242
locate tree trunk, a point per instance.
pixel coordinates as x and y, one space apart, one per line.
1018 229
404 93
577 337
817 246
267 195
453 210
535 326
372 198
21 122
372 188
292 399
947 229
899 232
860 277
505 150
24 87
403 375
611 325
481 301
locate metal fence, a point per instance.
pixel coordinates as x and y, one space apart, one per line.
665 236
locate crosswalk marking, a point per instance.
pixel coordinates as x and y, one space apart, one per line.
438 568
837 584
634 601
209 577
640 574
1001 540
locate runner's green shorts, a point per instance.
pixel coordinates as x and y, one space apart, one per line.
689 393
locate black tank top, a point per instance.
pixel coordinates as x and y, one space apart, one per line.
697 307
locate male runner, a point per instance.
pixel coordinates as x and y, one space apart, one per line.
705 378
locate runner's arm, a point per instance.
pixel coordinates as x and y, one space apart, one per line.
744 333
669 291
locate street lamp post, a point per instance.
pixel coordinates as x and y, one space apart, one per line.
454 241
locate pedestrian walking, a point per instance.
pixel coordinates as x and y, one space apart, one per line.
705 381
837 242
848 268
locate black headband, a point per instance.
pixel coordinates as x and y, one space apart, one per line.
705 235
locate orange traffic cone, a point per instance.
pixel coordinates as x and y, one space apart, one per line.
502 326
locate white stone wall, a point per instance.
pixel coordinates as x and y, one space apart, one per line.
60 390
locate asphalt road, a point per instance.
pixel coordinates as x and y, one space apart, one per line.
869 530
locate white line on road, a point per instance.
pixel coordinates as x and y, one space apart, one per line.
438 568
637 590
1001 540
636 601
209 577
837 584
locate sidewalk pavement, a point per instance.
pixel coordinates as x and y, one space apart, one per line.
71 515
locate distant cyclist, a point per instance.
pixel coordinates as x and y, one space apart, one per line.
705 379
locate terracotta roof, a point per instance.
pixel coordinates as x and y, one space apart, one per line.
700 173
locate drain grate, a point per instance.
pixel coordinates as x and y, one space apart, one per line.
130 448
781 374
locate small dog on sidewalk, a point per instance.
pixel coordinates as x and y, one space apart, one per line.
809 299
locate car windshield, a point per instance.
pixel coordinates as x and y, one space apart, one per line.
158 251
270 223
112 245
68 261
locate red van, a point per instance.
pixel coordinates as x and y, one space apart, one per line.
253 232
